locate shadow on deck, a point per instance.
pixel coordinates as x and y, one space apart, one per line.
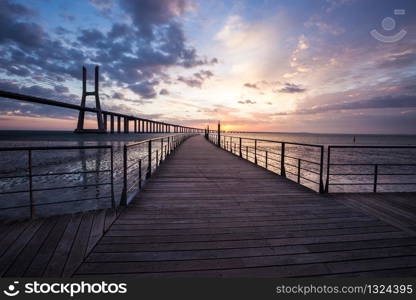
206 212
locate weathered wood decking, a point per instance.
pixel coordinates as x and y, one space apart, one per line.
209 213
206 212
51 247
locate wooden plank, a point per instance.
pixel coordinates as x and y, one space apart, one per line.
110 216
11 235
129 266
97 230
246 252
45 253
79 245
27 255
57 263
8 258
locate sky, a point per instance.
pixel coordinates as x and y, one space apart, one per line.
324 66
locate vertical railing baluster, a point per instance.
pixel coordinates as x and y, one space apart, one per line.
266 158
255 152
321 171
124 192
113 200
161 150
30 183
140 174
299 160
241 153
247 152
157 158
282 160
328 165
168 150
149 157
375 178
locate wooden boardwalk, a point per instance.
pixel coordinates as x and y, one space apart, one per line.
206 212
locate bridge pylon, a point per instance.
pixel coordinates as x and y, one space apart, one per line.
100 123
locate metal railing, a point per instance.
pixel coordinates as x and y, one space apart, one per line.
139 161
30 184
142 158
370 174
283 158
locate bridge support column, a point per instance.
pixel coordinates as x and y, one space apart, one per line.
95 93
105 122
126 125
219 135
112 123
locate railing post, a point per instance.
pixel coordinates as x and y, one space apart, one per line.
321 171
149 164
247 152
113 200
168 150
219 134
124 192
161 149
255 152
29 162
375 178
241 153
328 165
282 160
266 158
140 174
299 160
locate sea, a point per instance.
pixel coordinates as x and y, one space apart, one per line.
67 181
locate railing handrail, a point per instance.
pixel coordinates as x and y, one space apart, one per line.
54 148
157 138
276 141
374 146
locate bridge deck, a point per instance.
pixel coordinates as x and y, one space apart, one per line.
208 213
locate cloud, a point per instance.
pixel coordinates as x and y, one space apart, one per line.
251 85
291 88
334 4
61 89
323 27
163 92
132 53
103 6
247 102
381 102
398 60
146 89
197 78
92 38
148 14
117 95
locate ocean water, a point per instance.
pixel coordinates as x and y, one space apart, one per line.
90 167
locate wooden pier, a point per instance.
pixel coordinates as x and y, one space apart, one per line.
208 213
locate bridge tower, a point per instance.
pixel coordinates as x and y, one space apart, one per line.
81 116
